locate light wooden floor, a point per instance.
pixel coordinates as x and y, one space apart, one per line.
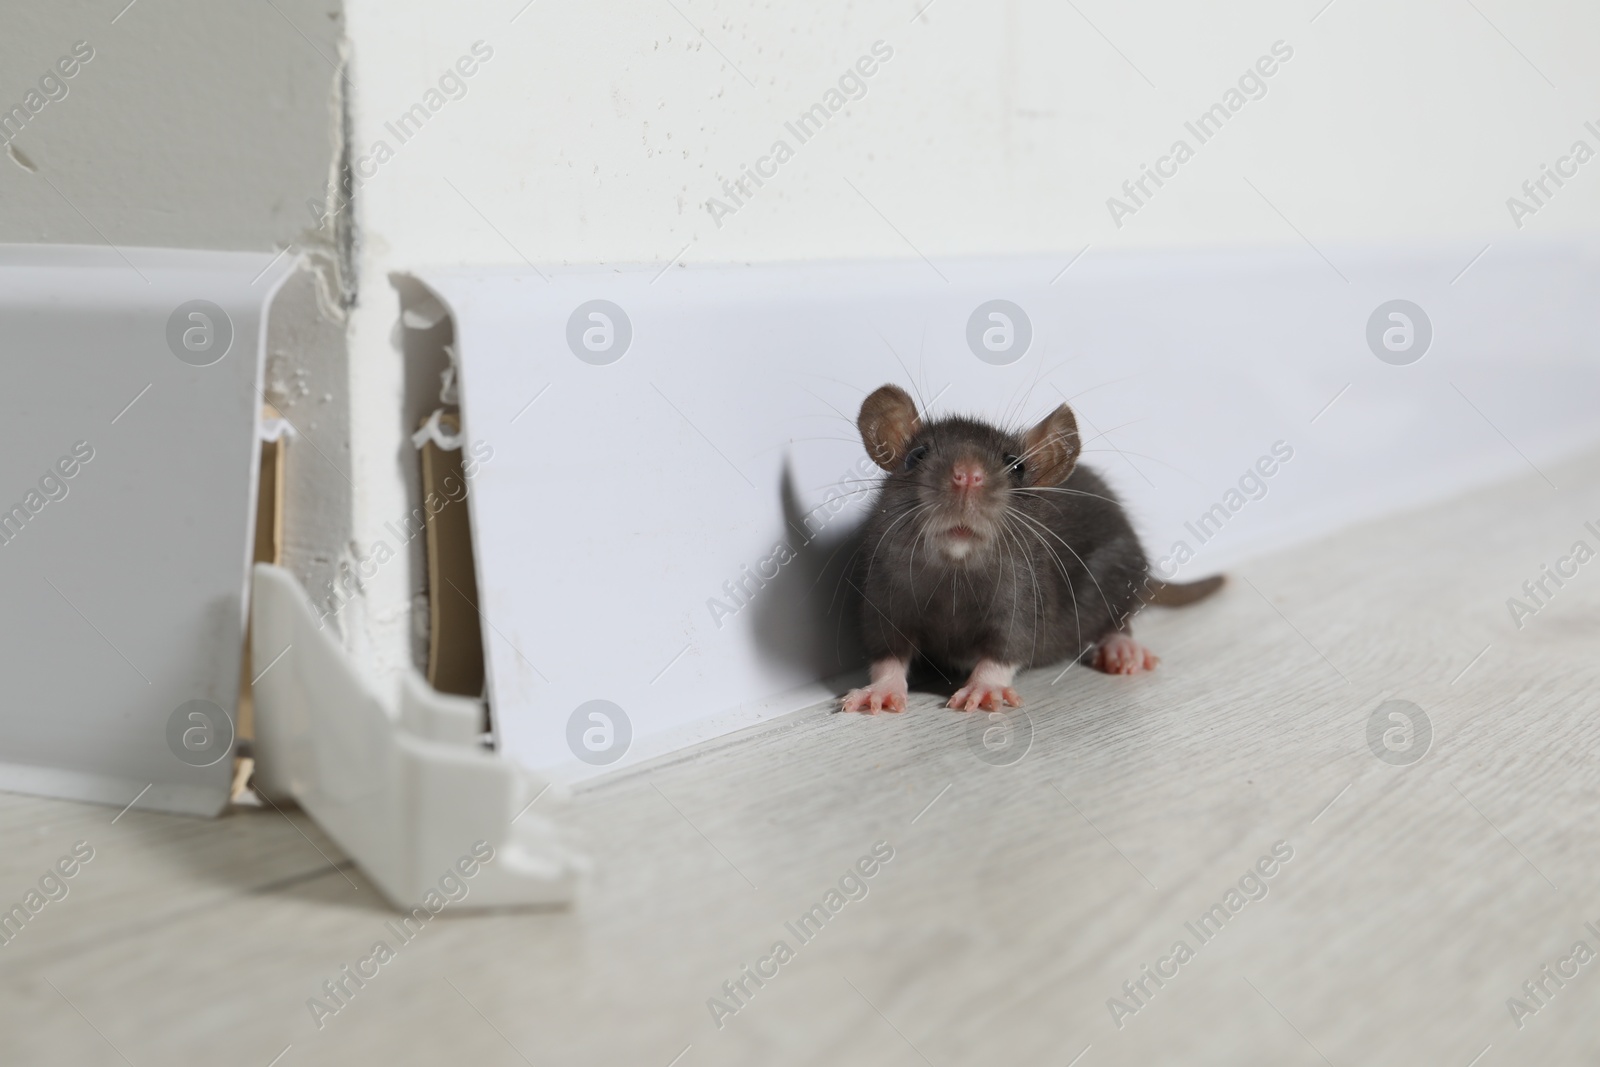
1418 899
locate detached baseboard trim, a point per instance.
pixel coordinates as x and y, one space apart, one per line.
407 792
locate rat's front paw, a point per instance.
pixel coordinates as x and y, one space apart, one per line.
983 697
1117 653
879 696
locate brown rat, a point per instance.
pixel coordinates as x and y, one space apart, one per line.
989 552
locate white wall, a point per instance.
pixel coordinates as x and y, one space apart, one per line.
597 133
193 125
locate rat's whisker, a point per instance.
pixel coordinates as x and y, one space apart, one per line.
1030 489
829 404
1062 570
1148 459
1103 598
1092 388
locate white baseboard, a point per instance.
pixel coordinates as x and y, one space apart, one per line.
124 580
620 500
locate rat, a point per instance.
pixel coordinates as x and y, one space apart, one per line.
988 552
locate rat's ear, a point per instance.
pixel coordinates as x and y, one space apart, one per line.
1052 448
887 422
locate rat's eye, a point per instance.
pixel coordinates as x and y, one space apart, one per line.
914 456
1014 465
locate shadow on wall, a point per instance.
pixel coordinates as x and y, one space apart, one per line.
807 613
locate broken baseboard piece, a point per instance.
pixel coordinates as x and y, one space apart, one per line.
406 792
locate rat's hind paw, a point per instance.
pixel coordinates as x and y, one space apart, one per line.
880 696
1118 653
979 697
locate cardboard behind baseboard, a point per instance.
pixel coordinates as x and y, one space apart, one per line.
455 638
268 549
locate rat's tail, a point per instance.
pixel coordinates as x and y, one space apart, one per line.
1177 594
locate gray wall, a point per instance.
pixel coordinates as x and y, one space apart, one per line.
200 125
194 125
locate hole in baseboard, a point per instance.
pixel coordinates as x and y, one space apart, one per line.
445 574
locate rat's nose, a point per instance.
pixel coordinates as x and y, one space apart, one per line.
966 476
